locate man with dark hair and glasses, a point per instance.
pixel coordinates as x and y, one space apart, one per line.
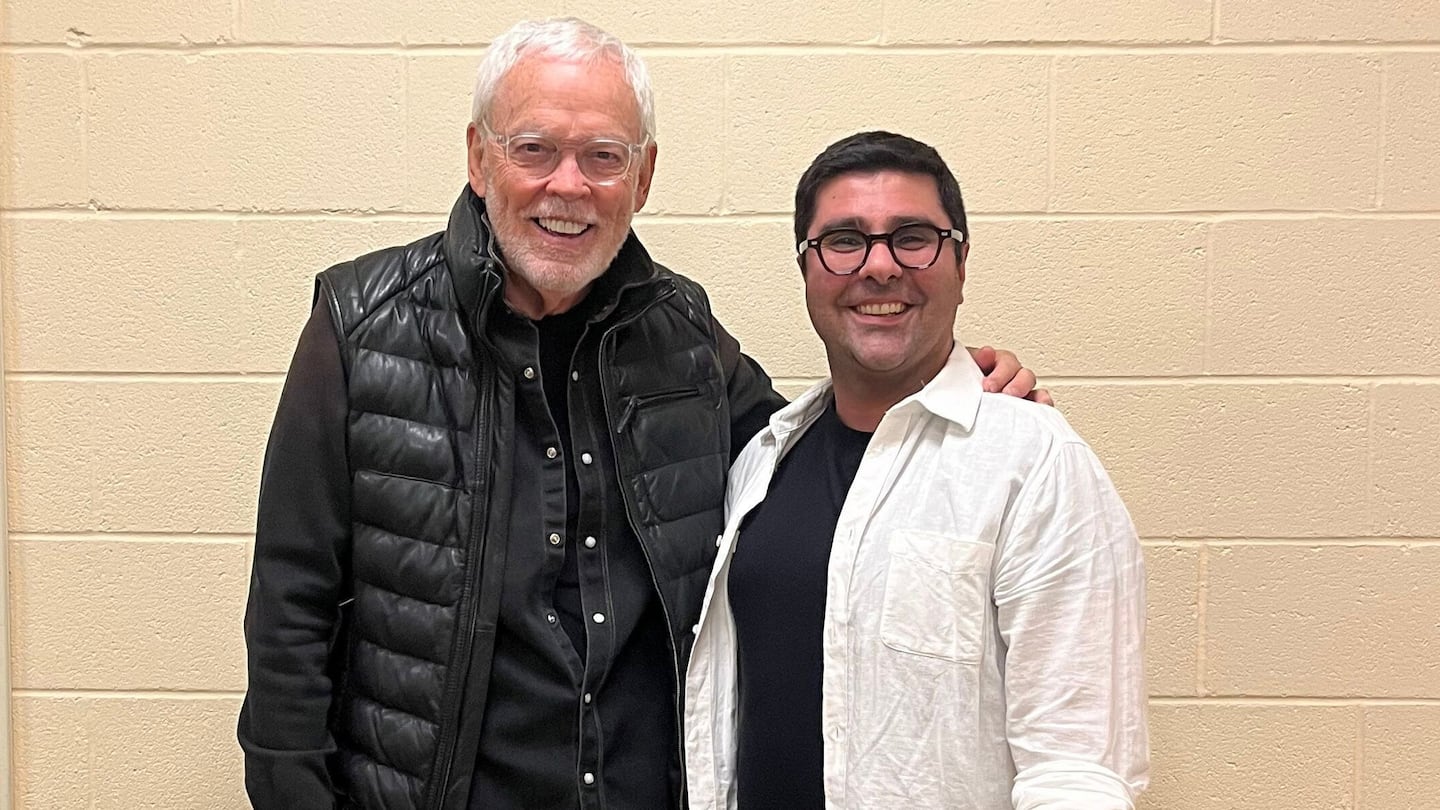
926 595
496 476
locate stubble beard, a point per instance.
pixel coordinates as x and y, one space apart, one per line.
525 258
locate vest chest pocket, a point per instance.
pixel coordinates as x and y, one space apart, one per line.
937 595
672 440
636 404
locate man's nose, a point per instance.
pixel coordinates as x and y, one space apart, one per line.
567 180
880 265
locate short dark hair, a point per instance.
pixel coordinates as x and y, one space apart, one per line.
867 152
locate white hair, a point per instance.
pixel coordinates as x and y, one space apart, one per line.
566 38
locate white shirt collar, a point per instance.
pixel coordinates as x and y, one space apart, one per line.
953 395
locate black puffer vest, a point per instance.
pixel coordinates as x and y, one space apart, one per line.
429 446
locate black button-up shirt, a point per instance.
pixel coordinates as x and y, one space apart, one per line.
580 711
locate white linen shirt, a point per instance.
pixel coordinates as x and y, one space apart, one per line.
984 618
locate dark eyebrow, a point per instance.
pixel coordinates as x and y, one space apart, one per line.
898 221
851 223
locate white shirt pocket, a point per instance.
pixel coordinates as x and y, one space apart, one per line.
937 589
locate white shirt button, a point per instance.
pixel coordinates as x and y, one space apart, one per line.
551 452
575 375
550 617
599 618
585 458
589 778
587 697
529 373
554 539
589 542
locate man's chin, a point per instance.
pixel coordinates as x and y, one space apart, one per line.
562 272
557 277
881 361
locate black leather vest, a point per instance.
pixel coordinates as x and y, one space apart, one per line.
428 448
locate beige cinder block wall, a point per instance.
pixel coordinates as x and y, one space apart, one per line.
1211 225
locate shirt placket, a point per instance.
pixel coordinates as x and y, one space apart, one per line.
595 593
552 531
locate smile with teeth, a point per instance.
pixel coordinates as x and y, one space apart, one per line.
562 226
886 308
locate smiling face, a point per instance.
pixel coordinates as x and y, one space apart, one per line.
886 330
560 231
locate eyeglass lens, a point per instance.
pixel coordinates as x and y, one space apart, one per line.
913 247
601 160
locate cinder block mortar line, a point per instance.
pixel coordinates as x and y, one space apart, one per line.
1062 48
1307 700
136 538
85 124
1208 316
1050 105
672 49
183 694
723 205
1247 379
1202 585
1062 215
1358 767
1192 380
80 377
406 112
1380 138
115 694
1372 500
233 215
147 377
7 748
89 767
1292 542
234 538
191 215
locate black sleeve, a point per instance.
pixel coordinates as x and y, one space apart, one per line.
302 550
752 396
